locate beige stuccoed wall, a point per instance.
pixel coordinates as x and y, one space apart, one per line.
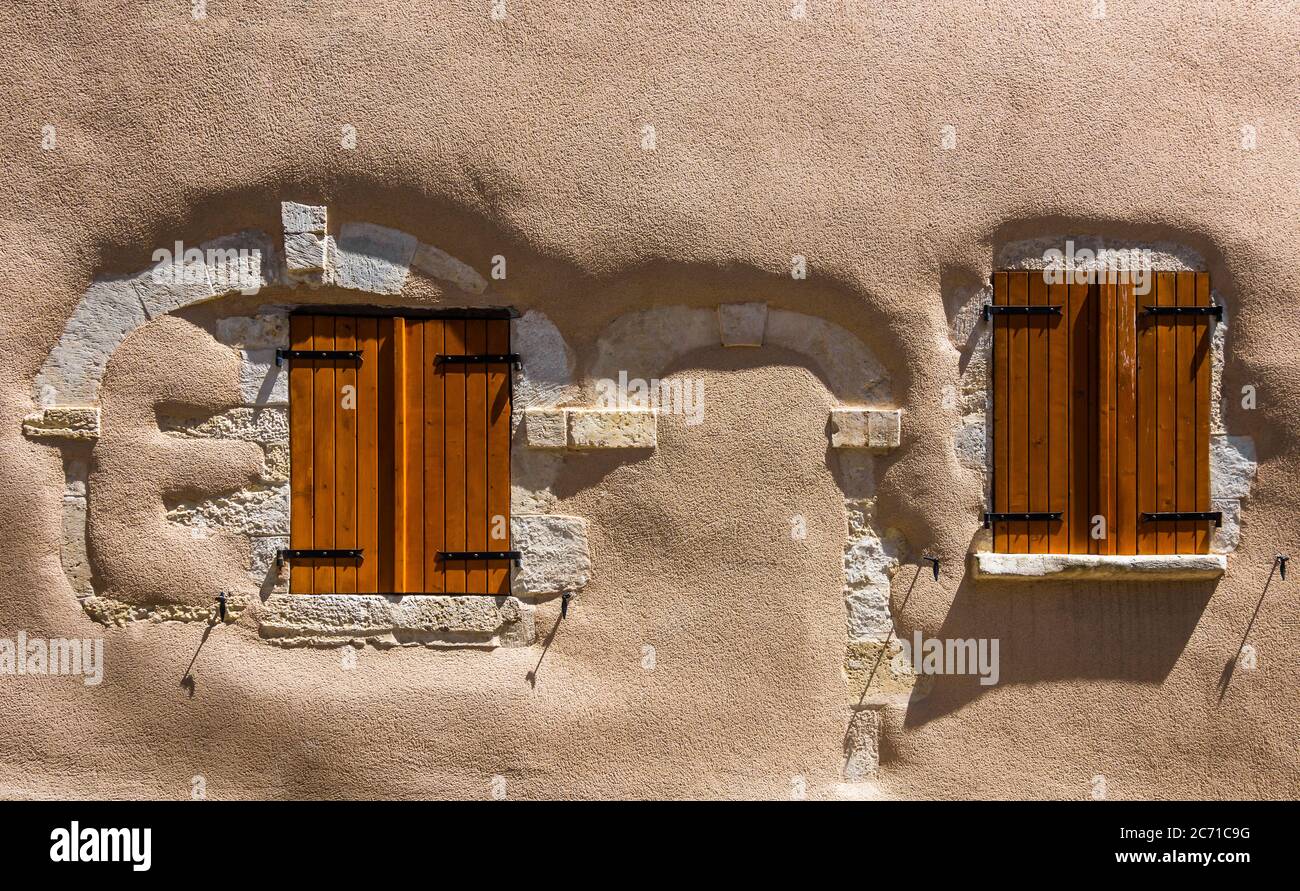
774 136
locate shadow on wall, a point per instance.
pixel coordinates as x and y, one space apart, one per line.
1063 631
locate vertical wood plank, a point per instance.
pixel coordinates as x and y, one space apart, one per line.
367 412
1126 427
345 453
476 423
1018 403
1185 412
454 445
301 454
1148 378
392 419
1167 415
498 456
1082 458
323 403
435 462
413 460
1106 300
1039 365
1204 333
1058 417
1000 382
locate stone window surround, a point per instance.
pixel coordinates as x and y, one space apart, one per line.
1232 457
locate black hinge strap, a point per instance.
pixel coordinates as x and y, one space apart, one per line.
281 355
317 554
480 358
1168 516
1021 515
1216 311
992 309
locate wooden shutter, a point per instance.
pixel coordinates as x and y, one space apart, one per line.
1031 448
1102 411
418 465
1173 413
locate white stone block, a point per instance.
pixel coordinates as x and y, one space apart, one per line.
63 422
611 429
261 381
304 252
1142 568
440 264
298 218
371 258
266 330
865 428
555 556
1232 466
547 428
742 324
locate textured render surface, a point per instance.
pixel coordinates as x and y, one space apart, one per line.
896 150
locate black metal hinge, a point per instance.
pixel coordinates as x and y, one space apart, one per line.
1166 516
1031 516
281 355
320 553
993 309
513 556
1216 311
480 358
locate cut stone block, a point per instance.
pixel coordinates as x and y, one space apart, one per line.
865 428
261 381
341 619
298 218
555 557
371 258
547 428
304 252
440 264
742 324
63 422
604 429
862 746
1141 568
266 330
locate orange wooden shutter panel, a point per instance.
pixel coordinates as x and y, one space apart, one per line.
400 455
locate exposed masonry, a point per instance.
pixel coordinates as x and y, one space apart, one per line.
364 257
1232 458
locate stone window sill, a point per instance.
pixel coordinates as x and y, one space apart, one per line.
1051 567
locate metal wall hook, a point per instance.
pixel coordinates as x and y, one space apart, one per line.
221 605
1280 560
564 604
934 561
